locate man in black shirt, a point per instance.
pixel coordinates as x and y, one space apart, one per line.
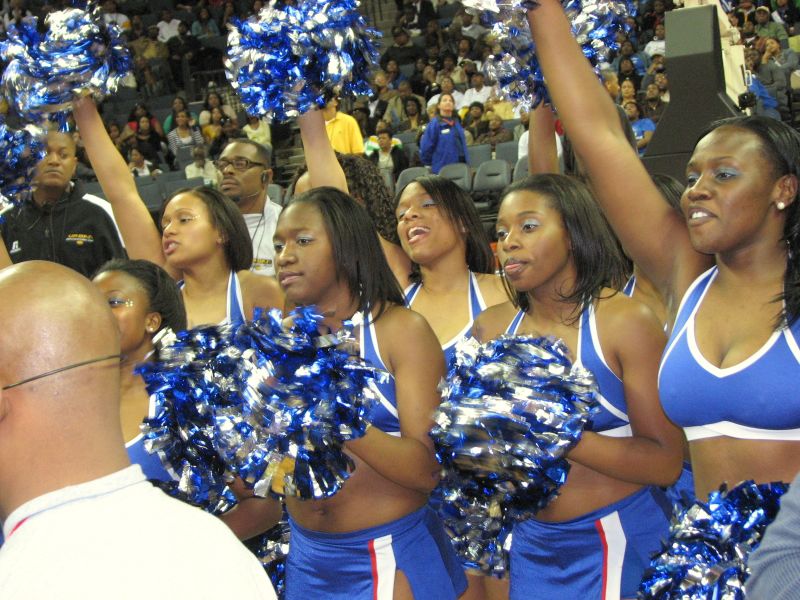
56 223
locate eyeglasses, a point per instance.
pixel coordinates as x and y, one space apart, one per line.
240 164
61 370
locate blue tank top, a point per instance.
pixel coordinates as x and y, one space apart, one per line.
235 304
476 307
612 419
150 463
384 413
755 399
630 287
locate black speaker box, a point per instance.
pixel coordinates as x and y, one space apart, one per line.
696 89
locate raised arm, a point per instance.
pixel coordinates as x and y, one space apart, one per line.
542 150
323 167
141 237
652 233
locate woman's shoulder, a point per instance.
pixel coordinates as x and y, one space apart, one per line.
492 288
494 321
259 290
626 317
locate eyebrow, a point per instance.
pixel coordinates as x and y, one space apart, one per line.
712 159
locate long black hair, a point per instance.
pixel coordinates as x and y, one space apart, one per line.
163 295
599 261
357 251
459 209
781 146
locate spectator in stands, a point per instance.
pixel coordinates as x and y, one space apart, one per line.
185 134
228 13
496 133
771 76
167 26
424 10
389 157
766 27
662 82
611 83
642 128
147 140
477 92
230 131
379 100
470 27
183 47
214 100
627 91
246 168
396 109
746 12
785 58
474 123
139 165
657 45
749 36
408 19
448 87
402 50
178 104
464 51
432 86
417 81
654 16
115 132
393 75
433 54
112 15
443 141
204 26
640 60
213 129
151 64
201 167
360 112
449 69
416 118
436 36
343 131
653 106
258 130
656 66
56 223
786 13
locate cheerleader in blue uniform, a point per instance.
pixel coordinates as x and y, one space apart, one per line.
145 300
562 267
727 268
376 538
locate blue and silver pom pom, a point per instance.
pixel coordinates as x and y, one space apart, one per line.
78 54
283 61
710 542
20 152
514 64
512 408
270 404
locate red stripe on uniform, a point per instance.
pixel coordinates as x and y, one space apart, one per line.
374 560
17 526
599 526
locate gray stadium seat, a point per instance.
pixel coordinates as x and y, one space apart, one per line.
458 173
521 168
408 175
478 154
507 151
275 193
492 176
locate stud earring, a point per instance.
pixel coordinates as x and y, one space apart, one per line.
781 205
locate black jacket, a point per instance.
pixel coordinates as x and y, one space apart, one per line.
73 232
399 160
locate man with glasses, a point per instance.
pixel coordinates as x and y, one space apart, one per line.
246 168
79 520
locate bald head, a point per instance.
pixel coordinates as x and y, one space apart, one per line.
52 317
63 428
